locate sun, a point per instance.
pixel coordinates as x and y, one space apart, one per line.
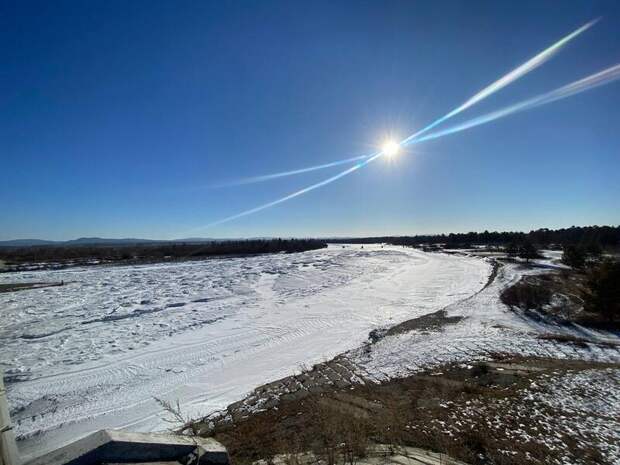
391 148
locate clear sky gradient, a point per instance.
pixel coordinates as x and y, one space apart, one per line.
118 118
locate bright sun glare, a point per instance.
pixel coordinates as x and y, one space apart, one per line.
391 148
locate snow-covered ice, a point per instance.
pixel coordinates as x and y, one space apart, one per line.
95 352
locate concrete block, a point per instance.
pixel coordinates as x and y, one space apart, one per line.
109 446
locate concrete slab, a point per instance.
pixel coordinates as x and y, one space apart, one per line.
149 463
109 446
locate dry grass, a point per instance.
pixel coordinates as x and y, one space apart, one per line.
339 426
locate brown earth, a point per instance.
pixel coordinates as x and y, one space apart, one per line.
430 410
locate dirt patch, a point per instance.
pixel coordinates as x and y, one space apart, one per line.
431 322
507 411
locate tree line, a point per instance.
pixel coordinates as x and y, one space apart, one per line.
154 252
603 236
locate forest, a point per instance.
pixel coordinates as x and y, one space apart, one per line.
604 236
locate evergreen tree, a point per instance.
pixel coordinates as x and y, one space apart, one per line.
603 290
594 250
527 251
574 257
512 250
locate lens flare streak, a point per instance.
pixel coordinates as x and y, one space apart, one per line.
509 78
502 82
604 77
281 174
595 80
305 190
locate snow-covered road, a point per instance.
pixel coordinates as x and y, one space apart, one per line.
95 352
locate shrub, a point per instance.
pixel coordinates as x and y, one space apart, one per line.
526 296
602 293
527 251
574 256
512 250
479 369
338 433
594 251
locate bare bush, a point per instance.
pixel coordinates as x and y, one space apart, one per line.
176 416
602 294
526 295
339 433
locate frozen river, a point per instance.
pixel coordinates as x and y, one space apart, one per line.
95 352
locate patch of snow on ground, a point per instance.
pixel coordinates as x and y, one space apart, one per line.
590 404
572 417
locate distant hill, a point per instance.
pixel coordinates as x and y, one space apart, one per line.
104 241
74 242
26 243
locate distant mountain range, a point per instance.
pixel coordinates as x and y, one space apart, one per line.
101 241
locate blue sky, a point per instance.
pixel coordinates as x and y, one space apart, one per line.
117 118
